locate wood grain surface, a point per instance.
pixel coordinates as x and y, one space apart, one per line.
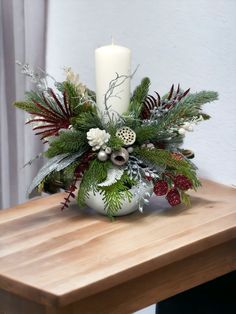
62 258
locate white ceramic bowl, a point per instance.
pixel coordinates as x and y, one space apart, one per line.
96 202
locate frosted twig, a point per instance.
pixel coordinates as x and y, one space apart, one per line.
113 84
29 163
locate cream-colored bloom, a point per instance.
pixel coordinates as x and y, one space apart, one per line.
97 138
74 79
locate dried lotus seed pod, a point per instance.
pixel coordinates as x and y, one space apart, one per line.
127 135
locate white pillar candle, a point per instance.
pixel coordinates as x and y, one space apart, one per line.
110 60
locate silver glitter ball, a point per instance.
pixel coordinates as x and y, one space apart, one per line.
102 155
130 149
108 150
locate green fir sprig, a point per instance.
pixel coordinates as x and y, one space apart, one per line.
139 95
161 157
190 107
114 195
87 120
95 174
74 98
67 142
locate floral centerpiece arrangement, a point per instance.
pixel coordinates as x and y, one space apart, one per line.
119 157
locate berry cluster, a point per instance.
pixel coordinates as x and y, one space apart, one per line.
180 182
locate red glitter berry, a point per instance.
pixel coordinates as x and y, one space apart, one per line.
160 188
173 197
182 182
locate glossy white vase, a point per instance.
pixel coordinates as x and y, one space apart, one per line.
96 202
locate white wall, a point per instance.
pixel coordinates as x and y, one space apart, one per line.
187 41
192 42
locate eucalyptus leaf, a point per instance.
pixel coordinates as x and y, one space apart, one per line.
50 166
68 160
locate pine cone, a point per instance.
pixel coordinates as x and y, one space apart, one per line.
160 188
173 197
183 182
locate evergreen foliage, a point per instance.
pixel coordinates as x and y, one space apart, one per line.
27 106
185 198
147 132
116 143
161 157
115 194
87 120
186 110
95 174
36 96
139 95
91 94
57 180
72 94
33 97
41 98
67 142
200 98
69 172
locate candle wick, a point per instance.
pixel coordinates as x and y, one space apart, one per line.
112 40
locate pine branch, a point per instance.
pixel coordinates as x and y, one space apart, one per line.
141 91
27 106
161 157
39 97
115 194
185 198
145 133
74 98
186 110
139 95
95 174
201 98
87 120
152 132
67 142
116 143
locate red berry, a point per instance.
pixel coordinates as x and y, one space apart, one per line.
173 197
160 188
183 182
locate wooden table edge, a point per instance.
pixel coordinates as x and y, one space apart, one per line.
155 264
48 298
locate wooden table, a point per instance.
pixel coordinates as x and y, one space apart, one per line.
79 262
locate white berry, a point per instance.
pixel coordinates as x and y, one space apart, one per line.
181 131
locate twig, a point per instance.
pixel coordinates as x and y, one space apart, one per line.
112 86
32 160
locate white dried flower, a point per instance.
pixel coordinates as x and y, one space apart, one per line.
97 138
188 126
74 79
